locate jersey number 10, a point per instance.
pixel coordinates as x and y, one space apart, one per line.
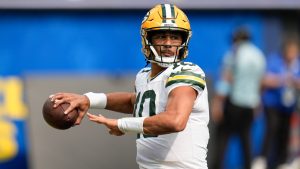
149 94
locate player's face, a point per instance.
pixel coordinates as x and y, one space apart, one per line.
167 43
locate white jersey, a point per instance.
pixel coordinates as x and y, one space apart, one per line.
186 149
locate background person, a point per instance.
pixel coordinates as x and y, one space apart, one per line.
237 95
280 83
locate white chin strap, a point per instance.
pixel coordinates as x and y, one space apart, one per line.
162 60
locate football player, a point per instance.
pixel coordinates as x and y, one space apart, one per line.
169 105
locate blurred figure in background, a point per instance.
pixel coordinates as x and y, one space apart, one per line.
280 83
237 95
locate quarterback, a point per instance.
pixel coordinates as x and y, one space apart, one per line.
169 106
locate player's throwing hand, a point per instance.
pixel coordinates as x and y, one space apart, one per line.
76 101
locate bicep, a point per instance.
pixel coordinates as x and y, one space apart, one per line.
181 101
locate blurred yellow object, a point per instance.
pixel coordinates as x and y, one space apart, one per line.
8 144
12 105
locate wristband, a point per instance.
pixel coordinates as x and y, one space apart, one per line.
131 124
97 100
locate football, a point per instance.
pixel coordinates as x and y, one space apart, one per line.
56 118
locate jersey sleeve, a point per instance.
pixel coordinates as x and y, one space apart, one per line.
187 74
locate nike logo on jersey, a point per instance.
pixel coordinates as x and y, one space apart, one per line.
182 69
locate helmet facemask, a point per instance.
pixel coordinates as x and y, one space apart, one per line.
164 61
152 51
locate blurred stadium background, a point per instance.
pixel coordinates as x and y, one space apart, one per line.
48 46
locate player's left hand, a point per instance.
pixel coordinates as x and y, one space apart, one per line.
111 124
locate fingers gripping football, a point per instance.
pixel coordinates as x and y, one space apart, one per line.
76 101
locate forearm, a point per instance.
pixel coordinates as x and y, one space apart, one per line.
271 81
121 102
173 119
159 124
163 123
